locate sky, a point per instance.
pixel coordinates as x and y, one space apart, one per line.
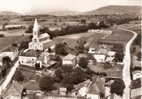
25 6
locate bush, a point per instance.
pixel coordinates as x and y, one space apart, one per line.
2 35
83 62
117 87
61 49
23 45
19 76
46 83
107 65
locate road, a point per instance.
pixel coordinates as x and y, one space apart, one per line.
127 64
9 77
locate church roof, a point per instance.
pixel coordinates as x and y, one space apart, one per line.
44 35
30 53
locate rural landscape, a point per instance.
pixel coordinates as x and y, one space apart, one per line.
65 54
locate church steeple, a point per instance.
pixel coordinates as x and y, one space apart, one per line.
35 29
35 44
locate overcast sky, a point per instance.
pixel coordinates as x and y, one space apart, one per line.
24 6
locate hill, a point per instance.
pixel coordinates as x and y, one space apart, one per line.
54 12
109 10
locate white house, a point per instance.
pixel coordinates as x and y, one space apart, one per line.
137 74
28 61
69 60
92 50
100 57
28 57
62 91
93 96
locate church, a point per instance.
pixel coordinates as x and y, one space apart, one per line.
36 44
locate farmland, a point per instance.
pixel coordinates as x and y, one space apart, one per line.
7 41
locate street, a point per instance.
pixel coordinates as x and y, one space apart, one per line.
127 64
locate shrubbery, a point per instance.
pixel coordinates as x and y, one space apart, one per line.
117 87
19 76
46 83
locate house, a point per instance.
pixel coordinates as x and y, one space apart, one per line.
136 62
62 91
110 56
28 58
137 74
91 89
100 57
69 59
136 86
92 51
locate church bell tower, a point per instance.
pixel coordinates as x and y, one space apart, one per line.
35 44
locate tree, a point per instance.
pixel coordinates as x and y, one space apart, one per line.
61 49
23 45
119 57
6 61
117 87
80 45
18 76
46 83
68 81
29 29
83 21
78 76
107 65
59 75
58 60
139 56
83 62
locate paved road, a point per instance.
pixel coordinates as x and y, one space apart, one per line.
127 64
8 77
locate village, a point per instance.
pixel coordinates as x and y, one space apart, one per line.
49 70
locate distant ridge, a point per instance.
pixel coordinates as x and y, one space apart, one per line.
116 9
8 13
54 12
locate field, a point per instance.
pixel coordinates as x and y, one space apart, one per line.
118 37
7 41
71 39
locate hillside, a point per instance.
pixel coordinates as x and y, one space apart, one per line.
109 10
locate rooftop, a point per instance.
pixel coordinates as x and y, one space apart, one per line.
30 53
69 57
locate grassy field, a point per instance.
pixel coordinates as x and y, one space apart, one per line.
71 39
118 37
7 41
